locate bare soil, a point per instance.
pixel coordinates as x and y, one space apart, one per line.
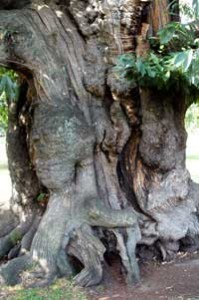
173 280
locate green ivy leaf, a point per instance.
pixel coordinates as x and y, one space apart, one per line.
167 33
183 59
141 67
41 197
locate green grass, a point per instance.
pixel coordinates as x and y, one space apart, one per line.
61 290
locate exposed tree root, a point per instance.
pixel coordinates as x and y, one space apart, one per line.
10 273
81 235
128 253
76 239
28 237
8 221
98 214
14 252
89 250
14 237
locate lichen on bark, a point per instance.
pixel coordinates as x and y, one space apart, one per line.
109 157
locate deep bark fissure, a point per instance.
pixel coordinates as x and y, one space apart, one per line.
95 144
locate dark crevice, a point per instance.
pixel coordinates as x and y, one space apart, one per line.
76 263
103 147
147 253
174 8
14 4
125 179
132 109
108 100
144 16
189 244
20 116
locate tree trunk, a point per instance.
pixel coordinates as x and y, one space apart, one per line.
96 165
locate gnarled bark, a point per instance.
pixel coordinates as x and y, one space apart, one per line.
109 157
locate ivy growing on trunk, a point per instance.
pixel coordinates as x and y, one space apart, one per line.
171 64
9 92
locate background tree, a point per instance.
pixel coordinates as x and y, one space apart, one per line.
97 163
8 92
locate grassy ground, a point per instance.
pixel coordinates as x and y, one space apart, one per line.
61 290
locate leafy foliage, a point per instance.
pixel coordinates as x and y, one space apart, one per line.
172 63
192 12
9 90
178 70
179 36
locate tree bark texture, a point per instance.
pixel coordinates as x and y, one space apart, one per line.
109 157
